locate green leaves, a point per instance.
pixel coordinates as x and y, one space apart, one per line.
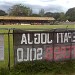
70 14
19 10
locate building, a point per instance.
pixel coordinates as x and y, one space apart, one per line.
4 20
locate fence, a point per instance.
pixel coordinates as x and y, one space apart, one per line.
6 47
30 45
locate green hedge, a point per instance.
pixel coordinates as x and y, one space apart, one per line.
35 67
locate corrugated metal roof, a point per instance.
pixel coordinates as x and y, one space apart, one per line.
25 18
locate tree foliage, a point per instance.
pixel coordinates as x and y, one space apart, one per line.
35 15
70 14
41 12
48 14
62 16
20 10
58 16
2 13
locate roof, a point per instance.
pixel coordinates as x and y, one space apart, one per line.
25 18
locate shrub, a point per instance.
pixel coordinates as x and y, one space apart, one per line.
4 71
45 66
36 67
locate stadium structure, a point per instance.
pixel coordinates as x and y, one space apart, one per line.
4 20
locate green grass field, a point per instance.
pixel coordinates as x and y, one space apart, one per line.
26 27
37 26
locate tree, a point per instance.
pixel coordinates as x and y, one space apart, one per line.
56 16
35 15
20 10
62 16
70 14
29 12
2 13
48 14
41 12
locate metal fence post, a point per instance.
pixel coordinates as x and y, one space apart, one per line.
9 49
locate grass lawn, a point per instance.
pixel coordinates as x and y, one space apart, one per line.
37 26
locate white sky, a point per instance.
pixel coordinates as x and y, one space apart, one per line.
65 4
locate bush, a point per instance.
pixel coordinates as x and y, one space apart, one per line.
42 67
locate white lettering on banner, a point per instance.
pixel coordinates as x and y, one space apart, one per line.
39 55
32 54
57 37
24 40
48 41
27 55
66 37
60 36
20 57
42 38
37 38
63 37
29 41
73 39
46 38
69 35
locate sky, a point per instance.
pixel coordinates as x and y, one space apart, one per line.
36 5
